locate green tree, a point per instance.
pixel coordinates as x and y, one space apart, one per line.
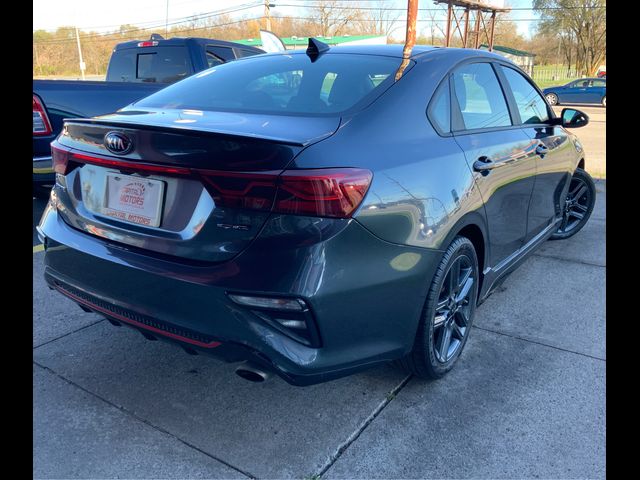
581 25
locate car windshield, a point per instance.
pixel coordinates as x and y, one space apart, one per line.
286 84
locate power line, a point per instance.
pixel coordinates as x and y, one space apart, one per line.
161 23
191 29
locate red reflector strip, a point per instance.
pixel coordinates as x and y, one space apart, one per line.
137 324
138 167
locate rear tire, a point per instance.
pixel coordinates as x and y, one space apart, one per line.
581 198
604 101
448 313
552 98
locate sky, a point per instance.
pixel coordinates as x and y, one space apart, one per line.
104 16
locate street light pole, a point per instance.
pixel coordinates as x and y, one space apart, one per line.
82 64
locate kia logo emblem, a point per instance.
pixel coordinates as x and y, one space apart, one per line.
118 143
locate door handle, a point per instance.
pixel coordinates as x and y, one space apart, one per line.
542 150
484 165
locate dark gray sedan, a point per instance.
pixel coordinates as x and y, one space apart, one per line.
315 213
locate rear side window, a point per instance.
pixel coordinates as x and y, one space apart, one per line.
155 65
598 83
439 111
480 98
531 105
225 53
241 53
122 66
285 84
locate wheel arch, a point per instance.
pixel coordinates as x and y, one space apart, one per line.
472 226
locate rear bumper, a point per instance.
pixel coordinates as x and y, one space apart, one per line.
43 171
365 303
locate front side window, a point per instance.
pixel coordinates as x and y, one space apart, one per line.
480 98
531 105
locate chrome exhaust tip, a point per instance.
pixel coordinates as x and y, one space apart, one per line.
252 372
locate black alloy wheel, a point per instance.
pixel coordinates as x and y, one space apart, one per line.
448 314
578 206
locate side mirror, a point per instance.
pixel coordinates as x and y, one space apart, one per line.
571 118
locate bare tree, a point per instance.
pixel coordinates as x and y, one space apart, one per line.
333 16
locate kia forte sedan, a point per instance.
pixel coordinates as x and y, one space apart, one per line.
315 213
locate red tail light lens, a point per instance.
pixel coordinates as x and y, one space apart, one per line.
41 124
60 159
335 192
254 191
148 44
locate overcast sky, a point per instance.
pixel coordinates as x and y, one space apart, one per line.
103 16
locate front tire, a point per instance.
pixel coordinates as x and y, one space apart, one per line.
448 313
552 98
581 198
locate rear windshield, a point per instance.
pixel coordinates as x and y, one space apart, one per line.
286 84
145 64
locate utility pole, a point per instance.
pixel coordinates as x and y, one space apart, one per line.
82 64
166 20
267 14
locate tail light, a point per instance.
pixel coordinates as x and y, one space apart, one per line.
41 124
60 159
332 192
335 192
148 43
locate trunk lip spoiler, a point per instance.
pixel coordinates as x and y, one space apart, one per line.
189 130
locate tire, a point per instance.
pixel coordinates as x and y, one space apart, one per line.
552 98
577 210
425 359
604 101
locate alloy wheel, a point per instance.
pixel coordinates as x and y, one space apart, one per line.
576 206
451 321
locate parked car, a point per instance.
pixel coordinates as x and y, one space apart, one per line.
136 69
315 235
584 90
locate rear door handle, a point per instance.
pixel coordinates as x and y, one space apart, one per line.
485 164
542 150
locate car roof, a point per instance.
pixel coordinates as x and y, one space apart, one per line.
180 41
396 50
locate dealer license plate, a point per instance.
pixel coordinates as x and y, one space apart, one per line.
133 199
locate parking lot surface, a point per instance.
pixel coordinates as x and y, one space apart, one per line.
527 399
593 137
